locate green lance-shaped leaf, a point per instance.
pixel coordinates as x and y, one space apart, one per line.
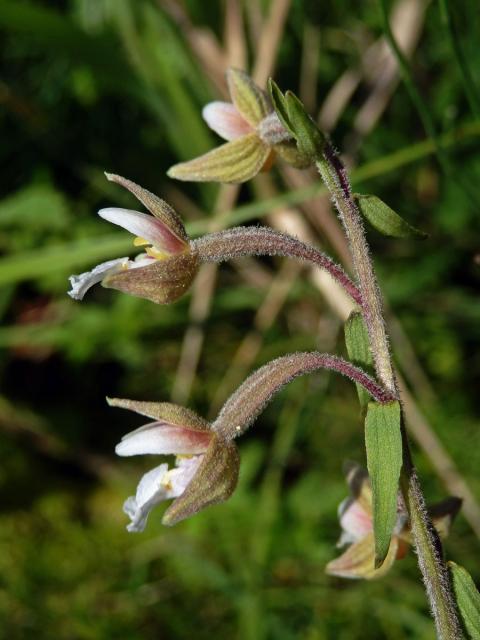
468 599
383 442
358 348
384 219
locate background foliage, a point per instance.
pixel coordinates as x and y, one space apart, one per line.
93 85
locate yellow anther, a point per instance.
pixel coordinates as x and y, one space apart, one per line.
140 242
155 253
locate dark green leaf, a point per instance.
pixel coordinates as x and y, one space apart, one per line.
383 442
384 219
358 348
468 599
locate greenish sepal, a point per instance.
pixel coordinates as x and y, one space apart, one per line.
214 482
310 139
291 112
280 105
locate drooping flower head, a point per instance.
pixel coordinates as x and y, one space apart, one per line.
356 520
253 131
206 466
207 461
165 269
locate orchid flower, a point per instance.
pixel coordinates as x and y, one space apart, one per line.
253 131
167 266
206 466
356 520
207 461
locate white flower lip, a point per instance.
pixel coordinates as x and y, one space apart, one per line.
145 226
81 283
163 438
158 485
225 120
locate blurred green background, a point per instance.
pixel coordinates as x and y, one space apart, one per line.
118 85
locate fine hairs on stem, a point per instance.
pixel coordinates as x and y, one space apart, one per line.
432 565
242 241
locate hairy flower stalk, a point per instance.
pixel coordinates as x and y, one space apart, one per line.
166 268
207 463
335 177
249 400
264 241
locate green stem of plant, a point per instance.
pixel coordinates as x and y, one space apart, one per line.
429 551
335 177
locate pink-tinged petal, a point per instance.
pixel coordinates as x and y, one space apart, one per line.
163 438
354 520
157 207
82 282
225 120
145 226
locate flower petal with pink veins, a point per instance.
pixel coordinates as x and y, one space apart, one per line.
163 438
145 226
225 120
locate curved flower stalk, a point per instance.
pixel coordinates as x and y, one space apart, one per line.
356 519
254 134
264 241
207 461
163 271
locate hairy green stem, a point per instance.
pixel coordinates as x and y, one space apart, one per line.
335 177
434 570
427 543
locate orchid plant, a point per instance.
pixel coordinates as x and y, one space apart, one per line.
386 512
